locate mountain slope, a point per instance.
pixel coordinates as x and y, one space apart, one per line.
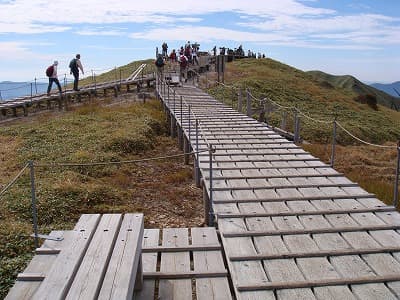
351 83
388 88
319 99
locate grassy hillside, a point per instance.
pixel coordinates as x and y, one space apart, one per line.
162 189
350 83
291 87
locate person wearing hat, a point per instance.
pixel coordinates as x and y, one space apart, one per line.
75 65
53 78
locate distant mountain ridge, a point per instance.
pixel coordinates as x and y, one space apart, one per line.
351 83
388 88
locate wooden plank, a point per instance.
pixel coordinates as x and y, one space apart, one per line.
300 213
354 266
120 278
175 262
150 239
243 272
320 283
280 269
63 270
345 229
89 277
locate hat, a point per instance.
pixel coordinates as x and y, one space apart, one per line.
55 62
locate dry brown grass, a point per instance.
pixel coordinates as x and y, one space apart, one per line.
371 167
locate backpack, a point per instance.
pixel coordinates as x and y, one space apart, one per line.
72 64
49 71
159 62
183 61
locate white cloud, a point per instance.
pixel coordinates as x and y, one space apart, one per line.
42 12
208 34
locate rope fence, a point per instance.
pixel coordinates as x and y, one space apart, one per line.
43 81
296 137
32 165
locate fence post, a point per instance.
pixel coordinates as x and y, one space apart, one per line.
248 104
211 211
396 184
283 123
240 100
196 167
35 86
333 152
31 91
174 103
33 203
296 137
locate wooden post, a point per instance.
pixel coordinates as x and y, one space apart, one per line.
283 123
197 174
249 111
333 143
396 184
240 100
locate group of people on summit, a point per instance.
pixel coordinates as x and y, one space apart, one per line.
75 65
186 55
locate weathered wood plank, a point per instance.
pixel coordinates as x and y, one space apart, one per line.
175 262
149 260
64 268
215 288
125 263
89 277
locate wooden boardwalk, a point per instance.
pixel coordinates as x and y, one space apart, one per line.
112 257
21 105
291 226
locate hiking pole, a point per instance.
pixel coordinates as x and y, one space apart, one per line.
396 184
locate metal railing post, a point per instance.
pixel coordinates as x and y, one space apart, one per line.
283 123
248 105
181 100
396 184
174 102
240 100
33 203
211 211
190 127
196 167
333 152
35 86
31 91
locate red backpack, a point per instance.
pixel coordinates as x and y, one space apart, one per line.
49 71
183 61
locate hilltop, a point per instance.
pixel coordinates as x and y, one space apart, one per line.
316 97
350 83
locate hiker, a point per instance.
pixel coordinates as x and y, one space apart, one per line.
51 72
165 50
75 65
183 63
172 56
195 48
160 64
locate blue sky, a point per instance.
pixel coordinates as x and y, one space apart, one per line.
359 38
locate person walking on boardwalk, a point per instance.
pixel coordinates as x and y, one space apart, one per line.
51 72
75 65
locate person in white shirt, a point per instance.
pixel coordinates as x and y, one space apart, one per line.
53 78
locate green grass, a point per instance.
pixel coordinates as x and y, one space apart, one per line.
90 133
291 87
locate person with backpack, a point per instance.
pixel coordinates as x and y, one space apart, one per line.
160 64
51 72
183 63
74 66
